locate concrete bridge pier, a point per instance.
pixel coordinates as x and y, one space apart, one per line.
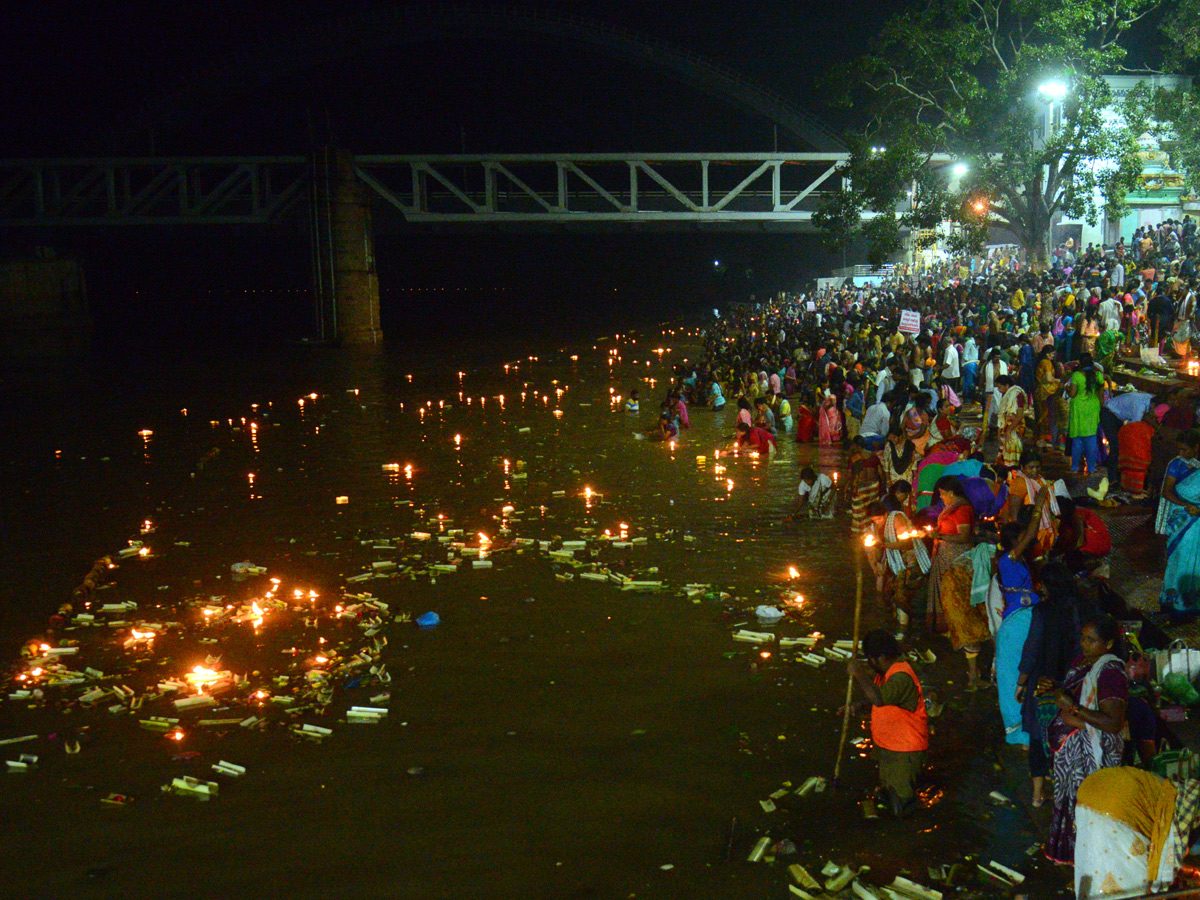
345 284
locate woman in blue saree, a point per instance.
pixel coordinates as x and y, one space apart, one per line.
1178 512
1017 599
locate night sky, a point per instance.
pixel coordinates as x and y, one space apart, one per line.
85 70
90 78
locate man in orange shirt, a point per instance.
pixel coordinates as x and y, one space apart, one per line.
899 725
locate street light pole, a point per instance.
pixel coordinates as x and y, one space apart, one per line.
1052 92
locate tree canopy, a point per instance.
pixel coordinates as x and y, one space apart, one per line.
1007 98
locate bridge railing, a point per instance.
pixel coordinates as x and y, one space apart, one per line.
150 191
767 187
780 188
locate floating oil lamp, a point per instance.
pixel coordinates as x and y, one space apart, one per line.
792 573
201 677
729 484
1193 367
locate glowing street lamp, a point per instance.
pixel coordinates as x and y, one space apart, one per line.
1053 90
960 169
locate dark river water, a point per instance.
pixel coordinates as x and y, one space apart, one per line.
549 738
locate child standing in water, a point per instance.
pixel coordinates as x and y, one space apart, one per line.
718 398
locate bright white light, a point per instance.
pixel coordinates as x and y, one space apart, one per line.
959 170
1053 90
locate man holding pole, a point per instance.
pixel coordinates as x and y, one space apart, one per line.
899 726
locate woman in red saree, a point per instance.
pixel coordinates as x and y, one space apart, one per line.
1134 440
829 422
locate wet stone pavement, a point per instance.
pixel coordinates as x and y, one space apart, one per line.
579 724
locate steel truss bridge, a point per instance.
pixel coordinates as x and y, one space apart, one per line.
777 191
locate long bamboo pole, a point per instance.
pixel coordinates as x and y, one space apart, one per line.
858 594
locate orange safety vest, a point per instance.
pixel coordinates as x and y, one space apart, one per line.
895 728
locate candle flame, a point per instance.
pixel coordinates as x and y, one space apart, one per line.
201 677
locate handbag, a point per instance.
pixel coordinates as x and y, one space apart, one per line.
1175 765
1178 657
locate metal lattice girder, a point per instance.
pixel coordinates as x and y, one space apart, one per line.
602 187
150 191
732 188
